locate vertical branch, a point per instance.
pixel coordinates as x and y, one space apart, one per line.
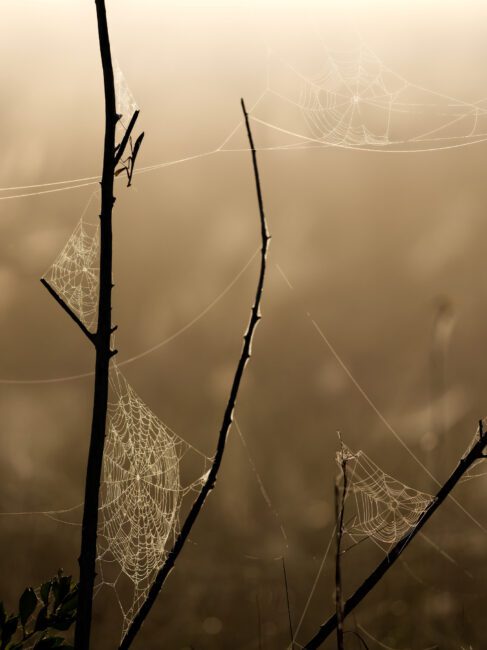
259 622
340 497
87 556
226 423
289 617
476 453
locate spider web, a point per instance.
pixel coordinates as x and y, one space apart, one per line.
354 102
386 509
142 490
74 273
125 101
357 102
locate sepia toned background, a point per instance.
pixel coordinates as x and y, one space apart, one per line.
375 246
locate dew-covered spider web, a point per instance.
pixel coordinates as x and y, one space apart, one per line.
385 509
355 101
143 485
351 100
473 471
74 273
125 101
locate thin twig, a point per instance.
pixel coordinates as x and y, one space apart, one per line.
69 311
226 423
291 633
339 518
259 622
476 453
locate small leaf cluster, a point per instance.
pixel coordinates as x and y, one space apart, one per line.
41 617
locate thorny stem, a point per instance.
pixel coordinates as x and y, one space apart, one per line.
476 453
339 517
87 556
100 339
209 484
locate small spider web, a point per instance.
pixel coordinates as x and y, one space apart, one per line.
386 509
471 474
142 490
74 273
125 101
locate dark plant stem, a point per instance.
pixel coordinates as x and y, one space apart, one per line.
226 424
340 497
87 556
289 617
378 573
69 311
259 622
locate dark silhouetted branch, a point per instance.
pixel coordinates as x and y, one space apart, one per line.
226 423
87 556
369 583
340 496
289 617
69 311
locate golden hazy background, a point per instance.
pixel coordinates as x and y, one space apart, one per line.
372 244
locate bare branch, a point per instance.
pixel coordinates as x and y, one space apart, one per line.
289 617
378 573
69 312
87 557
340 496
225 427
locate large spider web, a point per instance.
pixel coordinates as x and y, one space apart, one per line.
74 273
386 509
143 481
142 489
357 102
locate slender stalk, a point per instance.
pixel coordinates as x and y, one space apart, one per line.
339 518
87 556
226 424
476 453
289 617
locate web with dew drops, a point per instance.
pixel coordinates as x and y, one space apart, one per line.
125 101
141 495
144 481
74 273
386 509
357 102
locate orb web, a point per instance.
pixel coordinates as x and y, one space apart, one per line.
74 273
141 495
357 102
386 509
350 102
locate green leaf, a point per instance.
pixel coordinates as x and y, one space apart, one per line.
62 623
9 629
70 602
27 605
42 620
64 587
49 642
60 587
45 590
